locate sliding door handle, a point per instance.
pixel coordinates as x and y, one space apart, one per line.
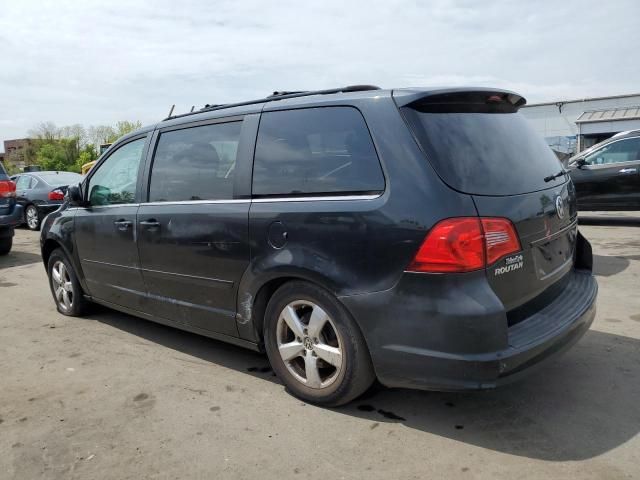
150 224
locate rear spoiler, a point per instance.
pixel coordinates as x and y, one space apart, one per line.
451 100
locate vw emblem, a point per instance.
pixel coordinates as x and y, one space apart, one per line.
559 207
308 343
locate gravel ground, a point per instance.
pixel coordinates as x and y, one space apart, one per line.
115 397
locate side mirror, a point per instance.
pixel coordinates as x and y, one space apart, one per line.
74 195
581 162
99 196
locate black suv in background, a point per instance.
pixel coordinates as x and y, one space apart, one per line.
421 237
10 212
607 175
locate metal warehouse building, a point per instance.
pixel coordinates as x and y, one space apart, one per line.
570 126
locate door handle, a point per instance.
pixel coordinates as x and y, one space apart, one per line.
123 224
628 170
150 224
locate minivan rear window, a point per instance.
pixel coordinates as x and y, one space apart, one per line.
484 151
315 151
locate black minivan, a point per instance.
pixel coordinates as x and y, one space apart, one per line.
424 237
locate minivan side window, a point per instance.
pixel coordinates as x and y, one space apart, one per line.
616 152
114 182
196 163
315 151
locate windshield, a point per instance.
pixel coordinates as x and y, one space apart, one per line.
485 153
61 178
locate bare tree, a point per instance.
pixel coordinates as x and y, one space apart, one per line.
100 134
46 131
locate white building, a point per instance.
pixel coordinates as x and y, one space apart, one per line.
570 126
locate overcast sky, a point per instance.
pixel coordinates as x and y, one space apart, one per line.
98 62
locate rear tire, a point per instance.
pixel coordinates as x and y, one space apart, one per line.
315 347
65 288
5 245
32 217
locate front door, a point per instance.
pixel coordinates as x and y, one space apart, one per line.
106 229
610 177
193 232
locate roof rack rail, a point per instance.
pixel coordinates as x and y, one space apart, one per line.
284 92
282 95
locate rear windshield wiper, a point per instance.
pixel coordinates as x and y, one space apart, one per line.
553 177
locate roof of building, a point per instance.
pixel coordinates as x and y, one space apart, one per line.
579 100
610 115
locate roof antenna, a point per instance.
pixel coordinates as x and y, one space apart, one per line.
171 111
192 107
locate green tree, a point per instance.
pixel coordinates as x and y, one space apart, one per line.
70 147
52 156
88 154
122 128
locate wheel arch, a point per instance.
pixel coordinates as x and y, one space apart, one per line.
252 303
48 247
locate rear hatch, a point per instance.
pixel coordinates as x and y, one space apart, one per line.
479 144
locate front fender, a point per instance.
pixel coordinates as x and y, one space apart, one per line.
57 231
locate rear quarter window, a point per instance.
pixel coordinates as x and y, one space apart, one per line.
315 151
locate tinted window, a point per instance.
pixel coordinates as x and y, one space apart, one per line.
616 152
315 150
485 153
195 163
115 179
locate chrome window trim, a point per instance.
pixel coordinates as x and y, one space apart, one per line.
331 198
196 202
98 207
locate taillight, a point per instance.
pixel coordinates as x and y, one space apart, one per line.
464 244
7 189
500 238
56 194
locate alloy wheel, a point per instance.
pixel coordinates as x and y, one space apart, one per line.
32 217
309 344
62 286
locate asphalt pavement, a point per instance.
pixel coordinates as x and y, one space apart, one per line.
111 396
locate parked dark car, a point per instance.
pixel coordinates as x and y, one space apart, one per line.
408 235
607 175
40 193
10 211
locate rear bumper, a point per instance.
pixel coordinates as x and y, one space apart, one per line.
459 340
8 222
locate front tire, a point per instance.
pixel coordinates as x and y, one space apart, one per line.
65 288
32 217
315 347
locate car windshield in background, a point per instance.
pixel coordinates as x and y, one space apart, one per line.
485 153
61 178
